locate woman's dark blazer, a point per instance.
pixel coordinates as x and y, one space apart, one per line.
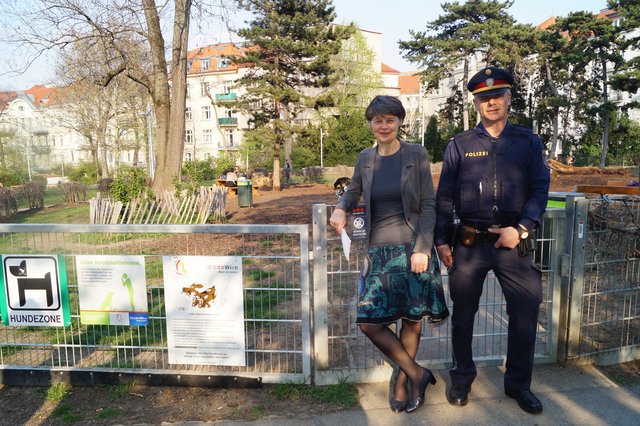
418 196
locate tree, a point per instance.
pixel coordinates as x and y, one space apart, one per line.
628 76
291 43
356 83
477 27
58 24
595 44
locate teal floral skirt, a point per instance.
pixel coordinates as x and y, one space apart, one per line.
390 291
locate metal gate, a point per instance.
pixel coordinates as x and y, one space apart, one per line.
275 266
603 287
343 352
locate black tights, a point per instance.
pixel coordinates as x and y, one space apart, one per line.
401 350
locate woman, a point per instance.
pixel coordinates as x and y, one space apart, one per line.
400 279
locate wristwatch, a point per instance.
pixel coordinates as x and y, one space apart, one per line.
523 233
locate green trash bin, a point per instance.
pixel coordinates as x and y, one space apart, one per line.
245 193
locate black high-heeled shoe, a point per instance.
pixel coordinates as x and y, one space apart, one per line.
415 403
396 406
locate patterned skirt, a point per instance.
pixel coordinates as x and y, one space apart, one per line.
390 291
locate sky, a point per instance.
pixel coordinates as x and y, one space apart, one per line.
393 19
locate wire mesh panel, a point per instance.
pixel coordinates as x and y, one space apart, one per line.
610 317
275 285
350 354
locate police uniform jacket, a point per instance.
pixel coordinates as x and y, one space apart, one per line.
492 181
418 196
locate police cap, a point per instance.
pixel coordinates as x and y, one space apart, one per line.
490 81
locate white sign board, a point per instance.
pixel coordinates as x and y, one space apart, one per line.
34 291
205 310
112 290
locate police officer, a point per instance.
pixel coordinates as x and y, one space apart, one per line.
496 180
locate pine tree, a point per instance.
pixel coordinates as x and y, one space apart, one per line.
477 27
289 44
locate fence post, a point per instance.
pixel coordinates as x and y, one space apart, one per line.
572 270
320 293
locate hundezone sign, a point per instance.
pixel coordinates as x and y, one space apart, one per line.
33 291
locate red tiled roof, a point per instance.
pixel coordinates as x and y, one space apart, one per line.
409 84
386 69
5 98
212 53
40 93
547 23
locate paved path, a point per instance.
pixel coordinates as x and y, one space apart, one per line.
571 396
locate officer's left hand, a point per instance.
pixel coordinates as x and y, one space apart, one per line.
419 263
509 237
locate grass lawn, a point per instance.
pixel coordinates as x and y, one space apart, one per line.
59 214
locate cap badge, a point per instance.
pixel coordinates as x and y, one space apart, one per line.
489 82
487 71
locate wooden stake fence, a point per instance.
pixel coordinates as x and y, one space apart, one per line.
191 210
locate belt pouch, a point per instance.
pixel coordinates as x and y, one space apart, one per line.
468 236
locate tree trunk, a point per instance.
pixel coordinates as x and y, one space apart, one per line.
554 91
465 95
169 112
101 141
606 116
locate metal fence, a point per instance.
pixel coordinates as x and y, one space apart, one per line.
604 308
589 254
342 351
275 266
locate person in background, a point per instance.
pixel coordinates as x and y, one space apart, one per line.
287 171
401 276
232 177
496 179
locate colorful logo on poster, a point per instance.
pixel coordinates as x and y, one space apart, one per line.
179 267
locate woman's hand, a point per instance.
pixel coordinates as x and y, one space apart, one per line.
445 254
338 220
419 263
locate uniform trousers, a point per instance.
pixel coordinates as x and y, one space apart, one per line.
520 280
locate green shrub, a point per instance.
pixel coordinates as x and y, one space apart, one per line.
83 172
130 184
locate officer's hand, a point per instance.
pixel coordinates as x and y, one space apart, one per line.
445 254
419 263
338 220
509 237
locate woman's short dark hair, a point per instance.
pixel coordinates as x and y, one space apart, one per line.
382 105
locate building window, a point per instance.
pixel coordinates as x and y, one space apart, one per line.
204 64
206 112
204 88
187 113
226 88
224 63
189 156
188 136
229 135
207 135
188 88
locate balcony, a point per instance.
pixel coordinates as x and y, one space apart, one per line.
226 97
228 122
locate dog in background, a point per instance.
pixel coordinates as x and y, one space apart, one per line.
340 185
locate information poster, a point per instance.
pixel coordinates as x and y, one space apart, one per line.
205 310
33 291
112 289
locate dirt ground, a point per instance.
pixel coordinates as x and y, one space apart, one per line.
102 405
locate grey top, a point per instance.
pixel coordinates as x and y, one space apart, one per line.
388 225
416 191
